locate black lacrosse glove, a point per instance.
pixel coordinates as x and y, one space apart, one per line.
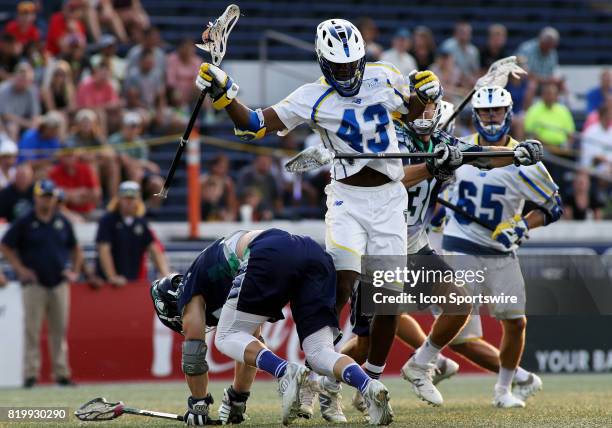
448 159
233 406
197 412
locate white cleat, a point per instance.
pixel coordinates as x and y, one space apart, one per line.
421 378
289 389
330 402
376 398
308 395
505 400
359 403
448 368
528 388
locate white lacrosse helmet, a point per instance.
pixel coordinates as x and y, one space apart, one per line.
341 53
428 121
447 110
492 97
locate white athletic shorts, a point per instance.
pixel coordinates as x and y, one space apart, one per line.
365 220
503 275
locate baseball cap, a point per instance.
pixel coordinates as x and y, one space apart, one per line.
52 119
85 114
26 7
403 32
7 147
129 189
132 118
45 188
107 40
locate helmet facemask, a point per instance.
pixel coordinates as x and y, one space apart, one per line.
427 122
491 124
344 78
341 55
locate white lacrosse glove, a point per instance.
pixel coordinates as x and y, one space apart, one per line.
426 85
529 152
197 412
511 232
448 159
222 88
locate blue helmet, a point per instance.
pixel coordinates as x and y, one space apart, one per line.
341 54
491 97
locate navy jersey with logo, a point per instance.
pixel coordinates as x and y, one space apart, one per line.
210 275
129 240
423 195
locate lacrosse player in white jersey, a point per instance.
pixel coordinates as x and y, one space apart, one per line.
427 367
498 197
350 107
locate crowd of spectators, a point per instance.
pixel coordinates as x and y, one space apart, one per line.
85 84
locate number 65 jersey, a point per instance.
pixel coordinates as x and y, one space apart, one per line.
494 196
359 124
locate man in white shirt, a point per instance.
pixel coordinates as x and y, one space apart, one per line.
597 142
8 157
398 54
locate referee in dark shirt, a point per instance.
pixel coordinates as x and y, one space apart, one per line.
42 249
124 237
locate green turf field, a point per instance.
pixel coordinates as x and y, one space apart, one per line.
570 400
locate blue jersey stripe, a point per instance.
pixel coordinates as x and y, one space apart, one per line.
315 108
531 184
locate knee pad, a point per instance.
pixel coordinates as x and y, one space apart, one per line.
320 353
194 357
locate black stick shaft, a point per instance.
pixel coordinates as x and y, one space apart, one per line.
459 108
466 155
465 214
182 144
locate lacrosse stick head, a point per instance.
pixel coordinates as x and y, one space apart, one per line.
99 409
499 71
310 159
214 37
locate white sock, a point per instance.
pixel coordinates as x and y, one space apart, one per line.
427 353
313 376
504 379
331 384
521 375
372 370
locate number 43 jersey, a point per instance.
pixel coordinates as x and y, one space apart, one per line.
359 124
493 196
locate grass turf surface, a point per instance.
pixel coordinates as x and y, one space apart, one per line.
567 400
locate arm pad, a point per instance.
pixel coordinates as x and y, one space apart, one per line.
194 357
255 129
552 209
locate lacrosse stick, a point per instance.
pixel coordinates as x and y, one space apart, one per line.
318 156
465 214
99 409
496 76
214 41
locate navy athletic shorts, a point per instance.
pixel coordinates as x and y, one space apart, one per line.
285 268
360 321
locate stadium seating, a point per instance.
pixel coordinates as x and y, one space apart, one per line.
586 33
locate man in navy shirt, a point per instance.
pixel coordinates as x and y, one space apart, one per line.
42 249
123 238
